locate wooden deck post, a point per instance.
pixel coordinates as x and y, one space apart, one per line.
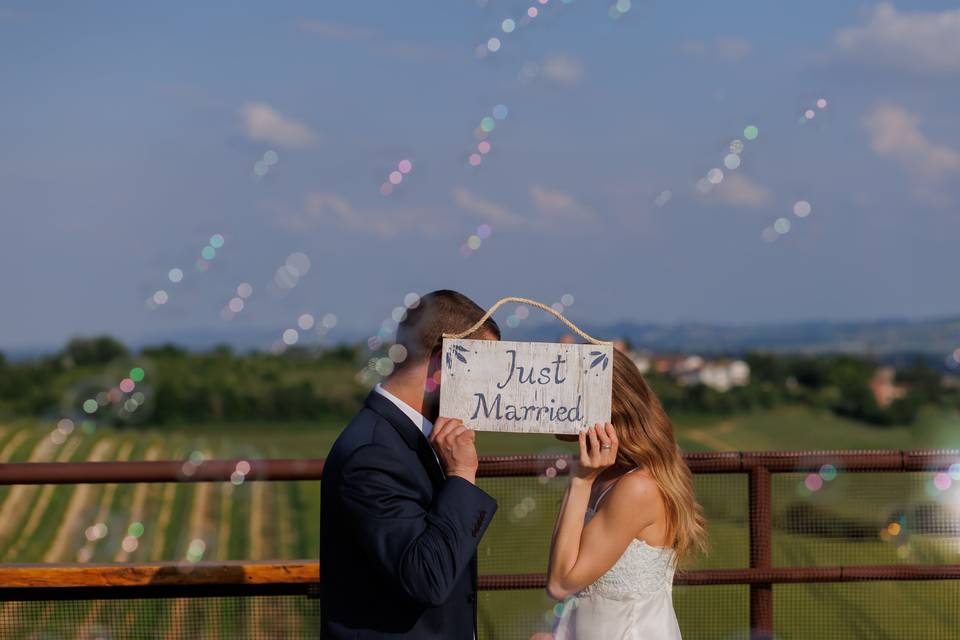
761 534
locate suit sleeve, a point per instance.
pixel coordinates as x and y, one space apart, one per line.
423 549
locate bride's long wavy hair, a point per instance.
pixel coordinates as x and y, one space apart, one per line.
646 440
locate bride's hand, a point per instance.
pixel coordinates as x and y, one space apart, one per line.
598 450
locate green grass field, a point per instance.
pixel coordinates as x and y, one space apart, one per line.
281 520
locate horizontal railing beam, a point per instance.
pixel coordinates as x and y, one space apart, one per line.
121 574
299 574
779 575
158 580
158 471
490 466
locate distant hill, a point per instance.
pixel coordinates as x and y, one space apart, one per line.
880 338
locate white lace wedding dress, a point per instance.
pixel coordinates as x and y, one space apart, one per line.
631 601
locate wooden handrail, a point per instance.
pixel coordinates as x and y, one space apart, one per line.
307 572
237 572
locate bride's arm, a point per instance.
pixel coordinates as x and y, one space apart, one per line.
579 555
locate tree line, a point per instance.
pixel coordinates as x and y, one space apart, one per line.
170 385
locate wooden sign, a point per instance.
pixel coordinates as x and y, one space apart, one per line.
526 387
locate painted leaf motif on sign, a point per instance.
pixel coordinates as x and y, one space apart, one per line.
600 357
456 351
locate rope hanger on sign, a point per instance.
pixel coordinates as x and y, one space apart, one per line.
533 303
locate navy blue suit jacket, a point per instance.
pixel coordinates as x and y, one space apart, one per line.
398 539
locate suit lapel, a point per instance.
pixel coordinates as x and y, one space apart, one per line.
410 433
429 460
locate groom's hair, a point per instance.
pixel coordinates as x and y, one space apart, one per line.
439 312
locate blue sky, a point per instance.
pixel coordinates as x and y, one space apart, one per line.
129 136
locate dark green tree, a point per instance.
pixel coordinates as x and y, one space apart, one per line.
92 351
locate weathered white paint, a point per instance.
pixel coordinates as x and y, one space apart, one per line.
565 386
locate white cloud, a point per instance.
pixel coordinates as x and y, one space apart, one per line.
262 123
918 41
731 48
324 206
563 69
320 205
485 208
325 209
550 206
895 133
557 204
740 191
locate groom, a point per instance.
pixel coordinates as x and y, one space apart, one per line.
401 515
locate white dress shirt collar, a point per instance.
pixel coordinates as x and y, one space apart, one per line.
415 416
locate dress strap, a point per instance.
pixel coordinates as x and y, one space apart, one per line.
608 487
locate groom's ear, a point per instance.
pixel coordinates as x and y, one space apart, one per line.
433 364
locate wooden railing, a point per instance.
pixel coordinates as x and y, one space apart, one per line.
157 579
43 581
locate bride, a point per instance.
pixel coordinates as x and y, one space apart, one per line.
628 518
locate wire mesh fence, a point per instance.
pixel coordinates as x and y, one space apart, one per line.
828 516
875 609
865 518
885 610
201 618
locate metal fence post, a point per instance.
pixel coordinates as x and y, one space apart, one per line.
761 533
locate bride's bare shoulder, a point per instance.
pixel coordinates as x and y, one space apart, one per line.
632 504
636 493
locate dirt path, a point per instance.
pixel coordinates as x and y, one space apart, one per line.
8 450
257 537
286 544
223 534
200 526
40 505
203 526
158 537
106 501
288 626
257 544
159 530
82 496
139 500
14 614
21 496
90 627
706 437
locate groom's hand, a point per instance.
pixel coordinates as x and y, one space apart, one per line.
456 447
